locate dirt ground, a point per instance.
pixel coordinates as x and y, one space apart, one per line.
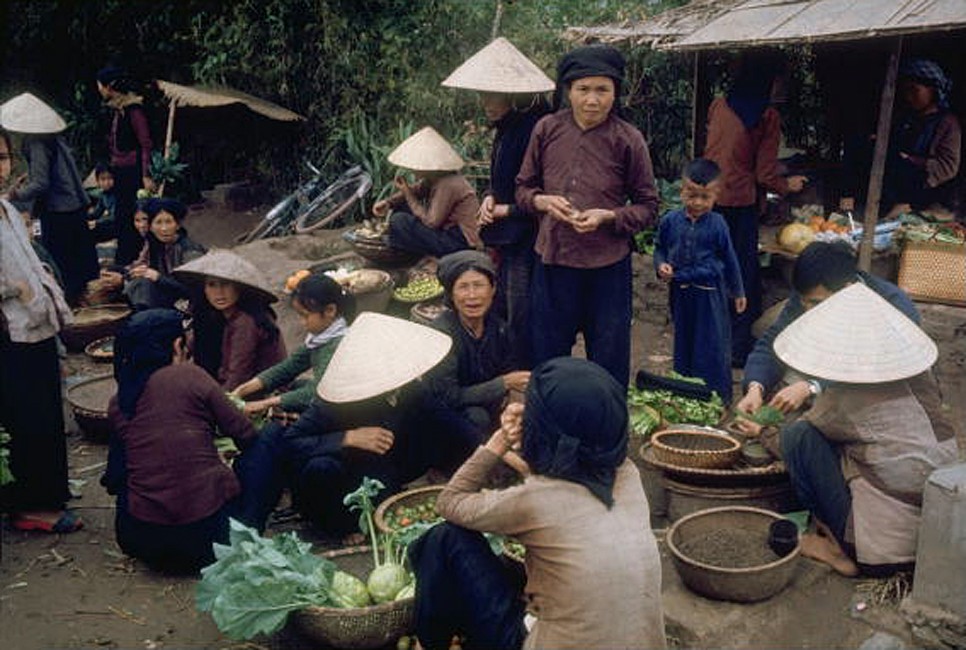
80 591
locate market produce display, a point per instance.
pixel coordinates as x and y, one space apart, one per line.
651 410
418 290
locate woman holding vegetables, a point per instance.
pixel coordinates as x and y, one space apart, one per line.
593 568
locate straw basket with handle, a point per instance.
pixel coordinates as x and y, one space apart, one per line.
356 627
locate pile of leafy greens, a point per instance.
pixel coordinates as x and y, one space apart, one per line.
256 581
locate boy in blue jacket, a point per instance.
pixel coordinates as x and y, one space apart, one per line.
694 254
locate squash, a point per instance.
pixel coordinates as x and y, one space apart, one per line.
794 237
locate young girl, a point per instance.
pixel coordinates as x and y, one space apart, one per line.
325 309
436 216
235 335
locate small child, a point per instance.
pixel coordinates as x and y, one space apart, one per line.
101 215
695 255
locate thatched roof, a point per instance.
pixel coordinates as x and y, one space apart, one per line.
210 97
706 24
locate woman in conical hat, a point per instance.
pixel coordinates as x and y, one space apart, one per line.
371 419
860 456
512 93
437 215
54 190
235 330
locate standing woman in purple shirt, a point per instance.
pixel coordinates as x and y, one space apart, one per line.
129 146
587 175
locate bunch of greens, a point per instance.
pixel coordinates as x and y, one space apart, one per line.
676 409
766 416
255 582
6 476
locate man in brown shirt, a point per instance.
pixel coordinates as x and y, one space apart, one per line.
587 175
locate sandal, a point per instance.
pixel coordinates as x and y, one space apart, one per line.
68 522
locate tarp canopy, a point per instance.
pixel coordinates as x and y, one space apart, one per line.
706 24
208 97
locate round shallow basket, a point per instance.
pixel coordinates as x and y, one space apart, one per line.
357 627
693 448
92 323
372 289
767 574
101 350
88 401
426 312
379 251
409 498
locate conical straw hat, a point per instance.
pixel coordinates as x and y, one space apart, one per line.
225 265
500 68
426 151
856 337
380 353
27 114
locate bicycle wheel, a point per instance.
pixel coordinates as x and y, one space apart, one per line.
334 201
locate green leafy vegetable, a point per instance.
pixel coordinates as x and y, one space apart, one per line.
255 582
675 409
766 416
349 591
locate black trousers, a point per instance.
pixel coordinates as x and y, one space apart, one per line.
32 413
70 242
408 233
127 182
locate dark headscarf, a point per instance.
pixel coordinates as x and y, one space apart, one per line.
589 61
452 266
750 93
929 74
575 424
141 347
116 77
176 209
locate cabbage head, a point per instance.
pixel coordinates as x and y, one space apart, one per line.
409 591
348 591
385 582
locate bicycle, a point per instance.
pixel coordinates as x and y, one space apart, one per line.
312 205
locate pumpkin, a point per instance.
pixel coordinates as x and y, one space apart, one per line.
294 279
795 237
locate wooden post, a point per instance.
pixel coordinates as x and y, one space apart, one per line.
168 137
879 157
700 98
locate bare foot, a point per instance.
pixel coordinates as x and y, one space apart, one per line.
827 550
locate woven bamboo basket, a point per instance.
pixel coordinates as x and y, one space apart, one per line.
426 312
101 350
745 584
379 250
409 498
88 401
92 323
356 627
694 448
934 272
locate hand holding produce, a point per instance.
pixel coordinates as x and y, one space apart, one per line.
791 397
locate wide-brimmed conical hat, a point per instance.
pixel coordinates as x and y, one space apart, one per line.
225 265
27 114
379 354
856 337
500 68
426 151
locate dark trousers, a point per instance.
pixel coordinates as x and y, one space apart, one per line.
513 295
32 413
702 335
463 588
816 473
127 182
186 548
743 227
70 242
408 233
597 302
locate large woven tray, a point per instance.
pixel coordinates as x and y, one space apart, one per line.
88 400
356 627
740 470
92 323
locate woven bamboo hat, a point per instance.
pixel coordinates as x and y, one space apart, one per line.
380 353
426 151
225 265
27 114
856 337
500 68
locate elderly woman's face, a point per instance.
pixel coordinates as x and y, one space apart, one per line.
165 227
473 294
591 99
6 160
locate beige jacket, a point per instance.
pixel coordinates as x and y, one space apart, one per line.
42 316
593 574
892 437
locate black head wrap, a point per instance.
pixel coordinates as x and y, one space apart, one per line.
575 424
173 207
452 266
116 77
143 346
589 61
750 94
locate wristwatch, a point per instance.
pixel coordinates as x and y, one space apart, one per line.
814 388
